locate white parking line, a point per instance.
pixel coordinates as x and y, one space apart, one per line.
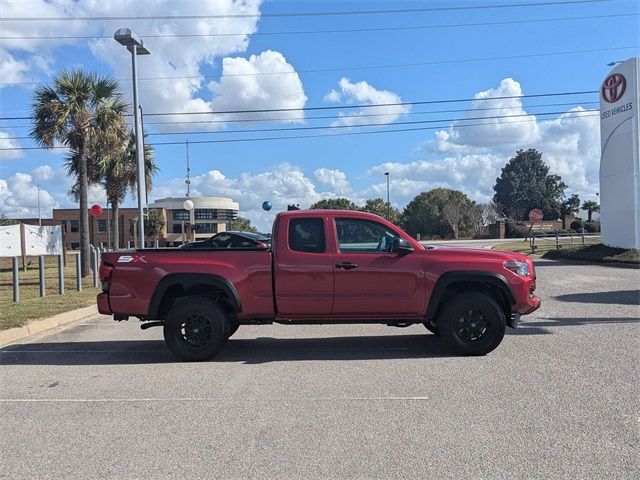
205 399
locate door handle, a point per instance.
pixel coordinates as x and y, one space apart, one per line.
346 265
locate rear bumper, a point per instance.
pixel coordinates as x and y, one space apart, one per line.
103 304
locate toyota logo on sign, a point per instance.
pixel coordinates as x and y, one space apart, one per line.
613 88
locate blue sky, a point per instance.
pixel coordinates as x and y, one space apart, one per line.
241 68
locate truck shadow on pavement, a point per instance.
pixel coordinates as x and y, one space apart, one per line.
238 350
542 325
621 297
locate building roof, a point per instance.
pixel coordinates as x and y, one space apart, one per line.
175 203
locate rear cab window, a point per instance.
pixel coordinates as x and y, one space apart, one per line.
307 235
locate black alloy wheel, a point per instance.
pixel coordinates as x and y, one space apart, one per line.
196 329
472 323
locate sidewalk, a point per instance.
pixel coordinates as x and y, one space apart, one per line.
14 334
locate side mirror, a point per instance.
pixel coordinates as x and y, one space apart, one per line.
401 246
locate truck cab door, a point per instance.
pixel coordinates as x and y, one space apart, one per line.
303 268
370 279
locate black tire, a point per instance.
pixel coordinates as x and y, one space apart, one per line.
196 329
432 328
472 323
233 328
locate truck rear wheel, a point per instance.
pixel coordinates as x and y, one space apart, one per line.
433 328
196 329
472 323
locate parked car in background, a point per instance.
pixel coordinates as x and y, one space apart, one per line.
233 239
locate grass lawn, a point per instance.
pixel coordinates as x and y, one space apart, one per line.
595 252
31 305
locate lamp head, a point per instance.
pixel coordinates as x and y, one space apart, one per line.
127 38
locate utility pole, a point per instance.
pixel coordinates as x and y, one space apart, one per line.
188 180
39 215
388 203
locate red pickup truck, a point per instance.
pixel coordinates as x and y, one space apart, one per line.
324 266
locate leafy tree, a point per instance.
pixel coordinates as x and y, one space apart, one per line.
571 205
7 221
525 184
379 207
454 214
590 206
242 224
334 204
424 214
116 168
119 174
79 111
155 223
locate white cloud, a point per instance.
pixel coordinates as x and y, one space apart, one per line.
362 93
282 185
7 142
176 67
470 159
333 96
246 84
335 180
19 197
521 129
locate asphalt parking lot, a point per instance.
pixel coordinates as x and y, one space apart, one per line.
558 399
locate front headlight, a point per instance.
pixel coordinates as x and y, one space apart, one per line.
519 268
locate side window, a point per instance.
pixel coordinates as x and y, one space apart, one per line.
221 240
363 236
307 235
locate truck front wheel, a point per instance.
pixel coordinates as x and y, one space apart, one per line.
472 323
196 329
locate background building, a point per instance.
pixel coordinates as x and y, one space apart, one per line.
210 215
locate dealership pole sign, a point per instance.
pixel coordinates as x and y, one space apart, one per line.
620 156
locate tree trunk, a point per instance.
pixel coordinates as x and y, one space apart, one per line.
115 223
589 213
85 253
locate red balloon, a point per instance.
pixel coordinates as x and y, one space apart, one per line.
96 210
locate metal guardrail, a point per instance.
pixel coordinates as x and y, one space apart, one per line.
562 239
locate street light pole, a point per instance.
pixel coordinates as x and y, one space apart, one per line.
388 203
135 45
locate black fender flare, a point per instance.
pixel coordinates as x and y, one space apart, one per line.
189 280
472 276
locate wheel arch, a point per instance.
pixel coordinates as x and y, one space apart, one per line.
451 283
178 285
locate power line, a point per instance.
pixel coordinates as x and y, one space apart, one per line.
313 32
370 67
335 117
345 134
302 14
365 125
414 122
317 136
372 105
335 107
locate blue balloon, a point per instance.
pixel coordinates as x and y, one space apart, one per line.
266 205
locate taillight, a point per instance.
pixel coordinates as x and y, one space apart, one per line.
104 273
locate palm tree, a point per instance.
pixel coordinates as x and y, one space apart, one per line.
590 206
80 111
119 172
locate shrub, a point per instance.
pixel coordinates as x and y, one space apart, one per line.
577 225
592 227
511 230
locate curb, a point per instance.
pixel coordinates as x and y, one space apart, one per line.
18 333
